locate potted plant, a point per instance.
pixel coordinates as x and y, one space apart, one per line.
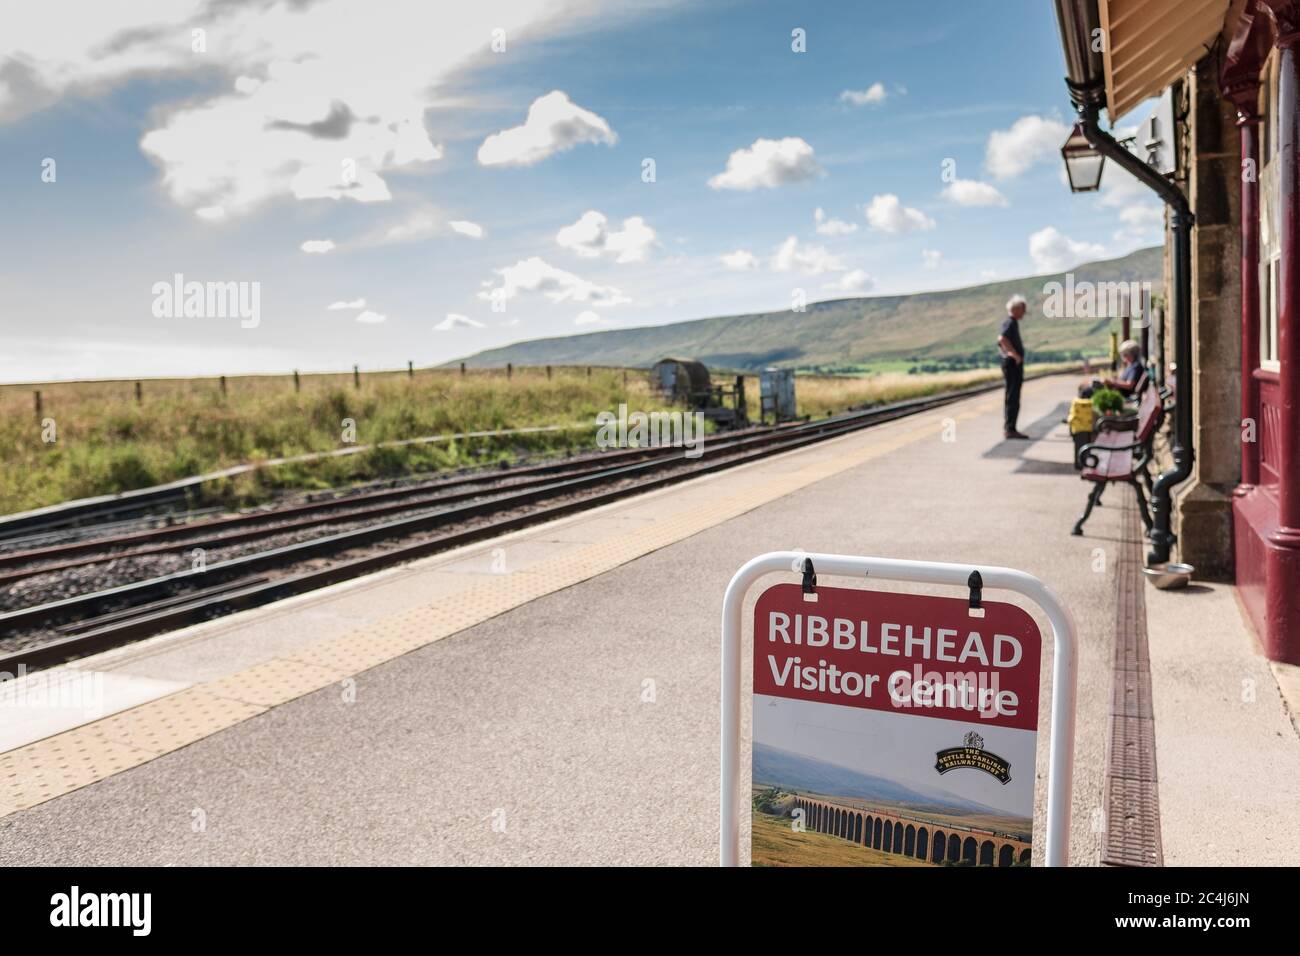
1108 401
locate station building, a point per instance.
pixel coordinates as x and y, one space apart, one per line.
1230 71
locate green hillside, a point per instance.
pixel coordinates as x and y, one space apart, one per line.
956 326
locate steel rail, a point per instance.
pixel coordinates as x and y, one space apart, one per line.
317 513
221 523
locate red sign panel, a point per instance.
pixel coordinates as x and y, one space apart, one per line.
910 653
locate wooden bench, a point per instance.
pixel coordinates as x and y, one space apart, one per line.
1121 451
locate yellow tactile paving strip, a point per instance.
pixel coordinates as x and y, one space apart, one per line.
171 722
49 768
275 682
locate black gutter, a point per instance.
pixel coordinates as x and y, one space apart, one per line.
1080 36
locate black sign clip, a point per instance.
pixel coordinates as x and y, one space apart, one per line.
809 580
976 584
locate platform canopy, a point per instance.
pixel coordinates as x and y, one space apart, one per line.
1150 43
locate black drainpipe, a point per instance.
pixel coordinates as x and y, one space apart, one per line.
1080 33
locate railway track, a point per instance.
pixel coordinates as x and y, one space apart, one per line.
223 530
390 526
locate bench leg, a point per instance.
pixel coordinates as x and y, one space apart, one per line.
1146 477
1093 497
1142 503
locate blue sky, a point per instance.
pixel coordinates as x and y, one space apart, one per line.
375 126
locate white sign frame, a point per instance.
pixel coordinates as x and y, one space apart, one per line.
1064 671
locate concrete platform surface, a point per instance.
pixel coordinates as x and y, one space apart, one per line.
1227 756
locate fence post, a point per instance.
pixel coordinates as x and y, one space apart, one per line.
410 369
548 373
223 386
139 393
510 369
462 368
37 393
356 376
588 371
297 385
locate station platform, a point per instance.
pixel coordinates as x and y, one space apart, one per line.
552 696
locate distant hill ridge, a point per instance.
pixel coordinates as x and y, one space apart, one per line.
792 771
952 325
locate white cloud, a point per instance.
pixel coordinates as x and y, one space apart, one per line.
873 95
342 305
830 226
1141 216
1119 188
633 242
931 259
1140 222
454 321
419 224
742 260
853 281
303 131
972 192
811 260
318 246
886 214
1030 139
466 228
371 318
289 101
588 317
554 124
1054 252
536 275
768 163
63 51
591 237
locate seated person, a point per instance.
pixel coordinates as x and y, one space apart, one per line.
1130 374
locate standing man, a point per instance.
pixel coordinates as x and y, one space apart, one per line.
1013 364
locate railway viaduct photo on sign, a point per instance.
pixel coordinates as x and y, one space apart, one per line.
922 840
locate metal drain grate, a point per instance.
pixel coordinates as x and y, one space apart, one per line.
1130 694
1132 824
1130 801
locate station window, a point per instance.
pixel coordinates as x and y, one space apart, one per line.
1270 247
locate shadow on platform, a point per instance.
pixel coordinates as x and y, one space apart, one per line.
1037 430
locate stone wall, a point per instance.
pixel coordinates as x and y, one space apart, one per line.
1211 170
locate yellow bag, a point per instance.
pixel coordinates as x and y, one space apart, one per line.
1080 419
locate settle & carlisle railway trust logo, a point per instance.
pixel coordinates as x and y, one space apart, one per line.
973 755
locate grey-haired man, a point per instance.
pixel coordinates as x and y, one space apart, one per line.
1012 350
